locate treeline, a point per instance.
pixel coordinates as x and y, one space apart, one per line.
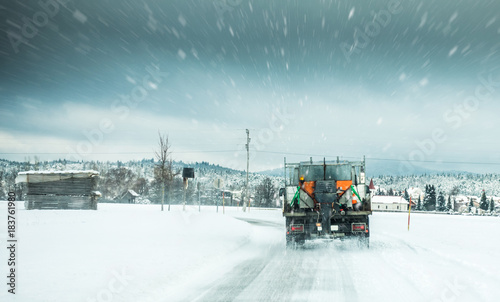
467 183
116 178
441 201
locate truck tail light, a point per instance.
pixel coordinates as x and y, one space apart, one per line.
297 228
358 227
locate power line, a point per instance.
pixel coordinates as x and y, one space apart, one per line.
113 153
383 159
436 161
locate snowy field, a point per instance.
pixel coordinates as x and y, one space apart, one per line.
138 253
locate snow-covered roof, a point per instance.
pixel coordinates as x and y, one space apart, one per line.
59 172
133 193
413 190
389 199
45 176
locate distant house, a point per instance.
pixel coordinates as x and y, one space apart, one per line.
129 197
74 190
475 201
389 203
460 201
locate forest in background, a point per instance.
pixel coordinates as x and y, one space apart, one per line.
116 178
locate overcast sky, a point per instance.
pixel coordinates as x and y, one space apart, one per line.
417 81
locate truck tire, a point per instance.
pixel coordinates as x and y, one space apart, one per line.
288 241
364 242
300 240
288 237
294 242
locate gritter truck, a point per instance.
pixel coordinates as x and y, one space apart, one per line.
326 200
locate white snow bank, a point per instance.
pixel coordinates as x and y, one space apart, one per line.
441 258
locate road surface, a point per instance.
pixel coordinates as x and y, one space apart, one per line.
391 270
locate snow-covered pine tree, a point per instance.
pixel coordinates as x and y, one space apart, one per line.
430 198
433 197
406 195
419 204
380 192
484 203
441 202
449 206
426 197
492 205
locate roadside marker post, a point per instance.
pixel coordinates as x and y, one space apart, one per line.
199 200
409 211
219 184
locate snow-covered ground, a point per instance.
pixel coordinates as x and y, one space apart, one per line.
118 253
138 253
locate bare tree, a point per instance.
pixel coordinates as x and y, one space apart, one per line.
265 193
164 169
37 163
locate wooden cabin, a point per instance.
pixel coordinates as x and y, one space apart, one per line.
129 197
74 190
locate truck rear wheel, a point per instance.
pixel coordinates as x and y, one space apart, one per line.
289 242
288 237
294 242
364 242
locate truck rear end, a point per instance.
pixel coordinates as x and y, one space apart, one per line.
326 200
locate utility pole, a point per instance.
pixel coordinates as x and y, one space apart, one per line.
248 164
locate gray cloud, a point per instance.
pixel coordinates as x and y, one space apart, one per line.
231 71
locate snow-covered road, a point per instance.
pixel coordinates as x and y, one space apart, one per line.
442 258
137 253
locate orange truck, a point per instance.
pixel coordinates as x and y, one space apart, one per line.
326 200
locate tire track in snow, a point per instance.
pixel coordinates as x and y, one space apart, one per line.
278 274
231 286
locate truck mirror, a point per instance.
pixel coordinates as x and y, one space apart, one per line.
282 192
